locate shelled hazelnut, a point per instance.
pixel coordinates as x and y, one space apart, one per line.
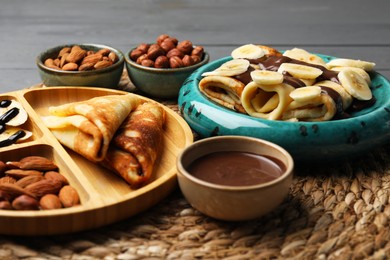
167 52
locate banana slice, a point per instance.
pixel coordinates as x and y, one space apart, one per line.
303 55
248 51
266 77
360 71
365 65
305 93
300 71
12 130
355 84
20 117
230 68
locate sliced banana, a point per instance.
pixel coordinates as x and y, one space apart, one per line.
266 77
305 93
362 72
365 65
303 55
230 68
248 51
12 130
21 116
300 71
355 84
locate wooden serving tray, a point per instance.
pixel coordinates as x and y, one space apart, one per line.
105 197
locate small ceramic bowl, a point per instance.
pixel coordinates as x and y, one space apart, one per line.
160 83
231 202
108 77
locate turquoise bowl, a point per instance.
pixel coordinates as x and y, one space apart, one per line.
308 142
160 83
107 77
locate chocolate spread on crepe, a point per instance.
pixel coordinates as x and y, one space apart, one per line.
87 127
137 143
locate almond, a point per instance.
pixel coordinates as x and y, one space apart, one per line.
69 196
50 201
25 202
19 173
86 66
102 64
76 55
103 52
93 58
11 190
38 163
65 50
5 205
56 176
7 179
25 181
71 66
43 187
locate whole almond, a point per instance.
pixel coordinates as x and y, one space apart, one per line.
7 179
113 57
69 196
38 163
63 59
65 50
76 55
102 64
86 66
19 173
104 51
56 176
25 181
44 186
71 66
50 201
11 190
25 202
93 58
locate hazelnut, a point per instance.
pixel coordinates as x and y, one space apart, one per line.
174 40
175 52
176 62
197 51
161 62
154 51
185 46
167 45
161 38
187 60
135 54
147 63
141 58
143 47
195 59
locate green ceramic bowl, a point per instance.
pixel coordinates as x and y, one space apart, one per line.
107 77
160 83
305 141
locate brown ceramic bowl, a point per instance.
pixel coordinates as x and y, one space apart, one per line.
232 202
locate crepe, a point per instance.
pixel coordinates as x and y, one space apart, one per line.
137 144
266 101
87 127
223 90
320 108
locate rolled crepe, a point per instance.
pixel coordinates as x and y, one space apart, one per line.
87 127
137 144
345 96
319 108
223 90
266 101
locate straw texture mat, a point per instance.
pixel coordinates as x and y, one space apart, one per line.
336 211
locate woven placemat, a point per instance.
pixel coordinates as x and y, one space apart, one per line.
338 211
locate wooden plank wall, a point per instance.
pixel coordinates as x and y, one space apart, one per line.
350 28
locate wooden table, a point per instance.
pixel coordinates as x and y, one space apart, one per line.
340 211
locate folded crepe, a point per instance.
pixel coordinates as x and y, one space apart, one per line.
223 90
319 108
137 144
266 101
87 127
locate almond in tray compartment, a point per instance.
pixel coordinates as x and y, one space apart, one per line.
34 183
12 122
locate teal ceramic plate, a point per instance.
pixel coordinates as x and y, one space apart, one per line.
306 141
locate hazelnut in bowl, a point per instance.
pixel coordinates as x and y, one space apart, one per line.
92 65
234 178
159 69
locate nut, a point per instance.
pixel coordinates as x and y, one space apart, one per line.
93 58
161 62
104 52
175 62
7 179
3 167
53 175
69 196
5 205
143 47
50 63
102 64
71 66
76 55
167 45
198 51
25 181
147 63
161 38
175 52
154 51
141 58
135 54
196 59
50 201
11 190
87 66
187 60
25 202
113 57
38 163
63 51
19 173
185 46
44 186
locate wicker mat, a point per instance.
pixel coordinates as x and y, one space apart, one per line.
335 212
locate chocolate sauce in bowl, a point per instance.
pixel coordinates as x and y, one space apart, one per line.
236 168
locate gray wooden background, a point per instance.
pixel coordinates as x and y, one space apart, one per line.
349 28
